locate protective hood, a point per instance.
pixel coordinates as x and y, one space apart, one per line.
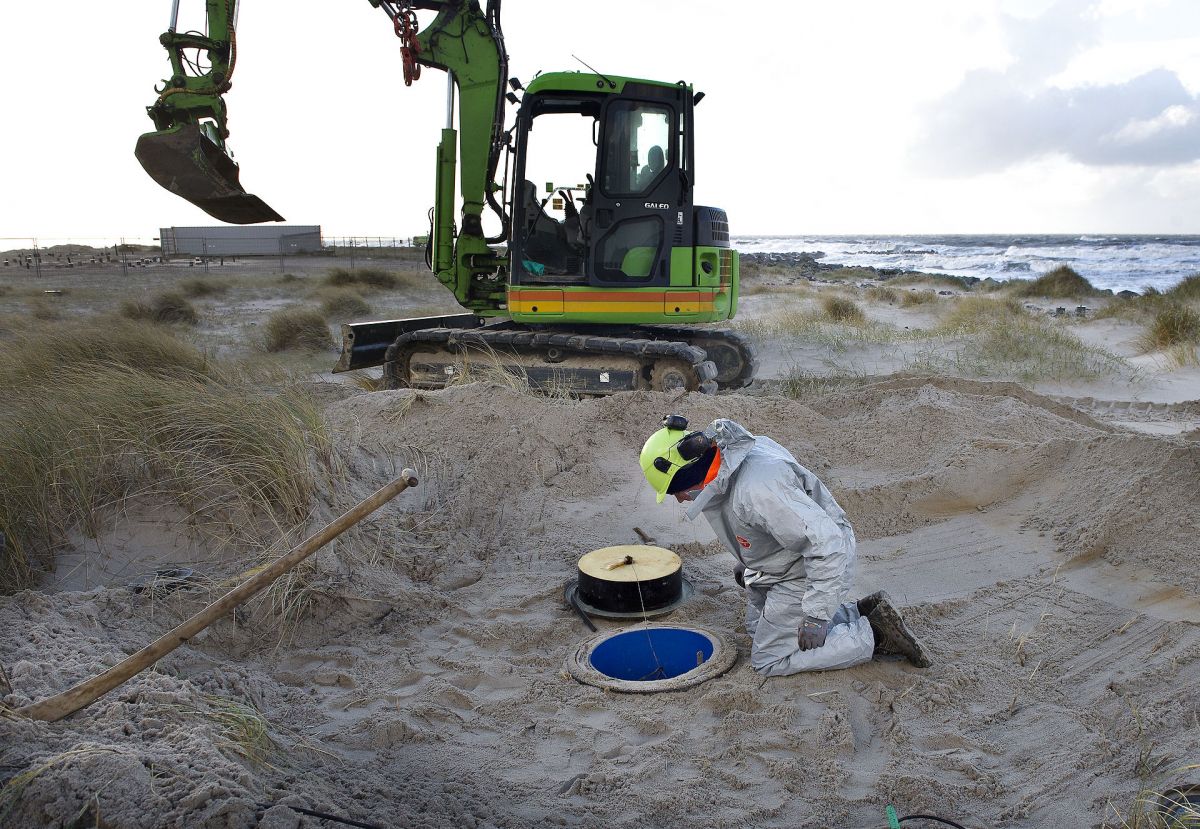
735 444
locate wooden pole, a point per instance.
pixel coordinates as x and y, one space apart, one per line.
87 692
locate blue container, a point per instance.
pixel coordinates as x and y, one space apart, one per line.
651 653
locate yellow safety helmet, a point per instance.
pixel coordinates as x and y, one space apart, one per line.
669 450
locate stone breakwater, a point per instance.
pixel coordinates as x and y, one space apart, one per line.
807 265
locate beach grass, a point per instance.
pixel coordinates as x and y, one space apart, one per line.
1003 342
925 280
1186 291
296 328
1064 282
342 303
1173 325
378 279
973 313
132 412
912 299
881 293
840 309
200 287
170 307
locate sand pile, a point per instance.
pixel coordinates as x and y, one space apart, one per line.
1048 560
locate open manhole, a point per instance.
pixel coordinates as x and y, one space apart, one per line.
650 658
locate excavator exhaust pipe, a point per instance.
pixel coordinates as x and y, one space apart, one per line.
188 163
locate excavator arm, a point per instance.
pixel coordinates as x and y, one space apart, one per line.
187 152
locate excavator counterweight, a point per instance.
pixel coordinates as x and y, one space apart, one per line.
187 162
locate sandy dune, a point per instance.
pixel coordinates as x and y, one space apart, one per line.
1047 557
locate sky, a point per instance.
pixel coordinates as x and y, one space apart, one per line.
854 117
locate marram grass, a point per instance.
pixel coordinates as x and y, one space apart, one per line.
134 413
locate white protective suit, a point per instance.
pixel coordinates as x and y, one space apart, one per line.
780 521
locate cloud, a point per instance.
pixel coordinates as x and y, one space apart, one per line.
998 118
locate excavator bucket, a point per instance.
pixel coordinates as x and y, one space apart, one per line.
188 163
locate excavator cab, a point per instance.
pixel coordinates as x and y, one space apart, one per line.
637 206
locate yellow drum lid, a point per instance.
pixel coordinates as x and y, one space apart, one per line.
648 563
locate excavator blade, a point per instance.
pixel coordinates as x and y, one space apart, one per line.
186 161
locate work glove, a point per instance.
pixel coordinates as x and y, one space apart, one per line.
739 575
812 633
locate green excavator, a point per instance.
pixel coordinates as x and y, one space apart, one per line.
595 283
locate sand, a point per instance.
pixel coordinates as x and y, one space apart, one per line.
1040 537
1045 554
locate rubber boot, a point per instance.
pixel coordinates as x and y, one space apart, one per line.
891 634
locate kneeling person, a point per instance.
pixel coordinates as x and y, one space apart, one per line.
795 548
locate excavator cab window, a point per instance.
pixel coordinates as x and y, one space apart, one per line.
638 147
556 146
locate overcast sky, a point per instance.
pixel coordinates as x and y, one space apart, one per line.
859 116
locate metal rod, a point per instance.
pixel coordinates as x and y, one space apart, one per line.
449 100
174 15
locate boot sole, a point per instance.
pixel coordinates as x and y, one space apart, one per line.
896 635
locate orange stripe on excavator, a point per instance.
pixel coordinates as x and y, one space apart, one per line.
599 296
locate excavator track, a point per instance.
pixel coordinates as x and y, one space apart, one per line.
580 363
732 353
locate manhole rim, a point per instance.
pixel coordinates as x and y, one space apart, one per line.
571 592
724 655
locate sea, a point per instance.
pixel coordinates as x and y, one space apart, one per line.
1117 262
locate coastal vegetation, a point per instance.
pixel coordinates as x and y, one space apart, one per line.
101 412
296 328
170 307
1061 283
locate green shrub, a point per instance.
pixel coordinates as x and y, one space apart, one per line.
202 287
343 303
296 328
918 297
840 309
1061 283
1175 324
169 307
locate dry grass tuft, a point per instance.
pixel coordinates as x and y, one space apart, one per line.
169 308
1061 283
840 309
241 728
343 303
878 293
364 381
1188 290
100 413
366 277
197 288
44 310
301 328
1176 324
972 313
937 280
918 297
